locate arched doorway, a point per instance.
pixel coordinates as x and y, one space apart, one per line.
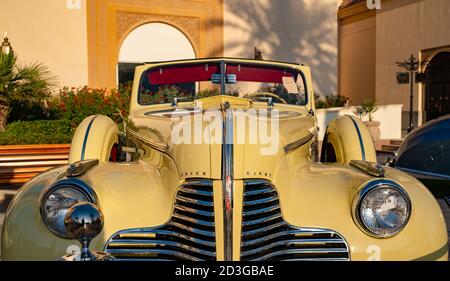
437 86
152 42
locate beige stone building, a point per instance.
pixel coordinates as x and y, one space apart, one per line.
371 41
97 42
351 49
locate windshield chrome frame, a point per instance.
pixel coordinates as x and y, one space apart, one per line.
223 63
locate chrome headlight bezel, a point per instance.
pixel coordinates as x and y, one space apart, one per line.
70 183
364 191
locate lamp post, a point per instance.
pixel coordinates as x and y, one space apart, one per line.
6 45
411 65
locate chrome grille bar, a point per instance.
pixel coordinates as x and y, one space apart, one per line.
227 178
266 236
188 235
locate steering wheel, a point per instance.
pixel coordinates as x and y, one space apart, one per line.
259 94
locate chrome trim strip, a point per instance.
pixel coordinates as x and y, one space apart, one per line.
369 186
193 211
373 169
258 191
86 135
153 230
428 175
263 219
223 69
160 146
255 182
293 242
363 152
194 201
81 167
193 220
296 144
227 180
143 244
304 251
192 229
261 201
261 211
195 191
285 233
263 229
203 183
149 253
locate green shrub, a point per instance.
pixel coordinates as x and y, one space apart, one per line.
69 107
331 101
29 112
37 132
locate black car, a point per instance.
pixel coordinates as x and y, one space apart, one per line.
425 154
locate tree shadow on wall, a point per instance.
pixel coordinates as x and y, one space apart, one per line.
287 30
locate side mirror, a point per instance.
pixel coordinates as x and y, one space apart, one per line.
83 222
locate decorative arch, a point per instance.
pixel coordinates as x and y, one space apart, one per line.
183 47
430 57
110 21
127 22
437 84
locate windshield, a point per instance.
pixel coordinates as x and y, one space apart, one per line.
194 81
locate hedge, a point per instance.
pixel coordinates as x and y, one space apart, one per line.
60 114
37 132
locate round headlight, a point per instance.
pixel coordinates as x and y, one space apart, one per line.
59 199
382 208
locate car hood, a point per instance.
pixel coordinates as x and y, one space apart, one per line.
192 135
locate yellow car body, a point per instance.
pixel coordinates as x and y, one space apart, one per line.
138 197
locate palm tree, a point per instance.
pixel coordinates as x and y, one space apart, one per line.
21 84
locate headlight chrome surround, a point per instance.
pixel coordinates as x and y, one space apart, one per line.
370 187
76 185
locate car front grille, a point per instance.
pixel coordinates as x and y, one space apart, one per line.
189 235
266 236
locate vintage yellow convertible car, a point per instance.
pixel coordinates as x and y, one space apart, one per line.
218 161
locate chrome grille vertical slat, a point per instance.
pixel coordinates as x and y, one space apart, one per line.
266 236
189 235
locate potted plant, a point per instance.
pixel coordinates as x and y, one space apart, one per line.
368 107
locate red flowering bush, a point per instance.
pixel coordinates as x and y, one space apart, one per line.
69 107
75 104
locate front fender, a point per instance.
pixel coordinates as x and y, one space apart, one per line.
130 195
347 138
94 139
321 196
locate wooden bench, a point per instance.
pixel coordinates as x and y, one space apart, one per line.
19 163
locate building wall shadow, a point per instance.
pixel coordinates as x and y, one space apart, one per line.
303 31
